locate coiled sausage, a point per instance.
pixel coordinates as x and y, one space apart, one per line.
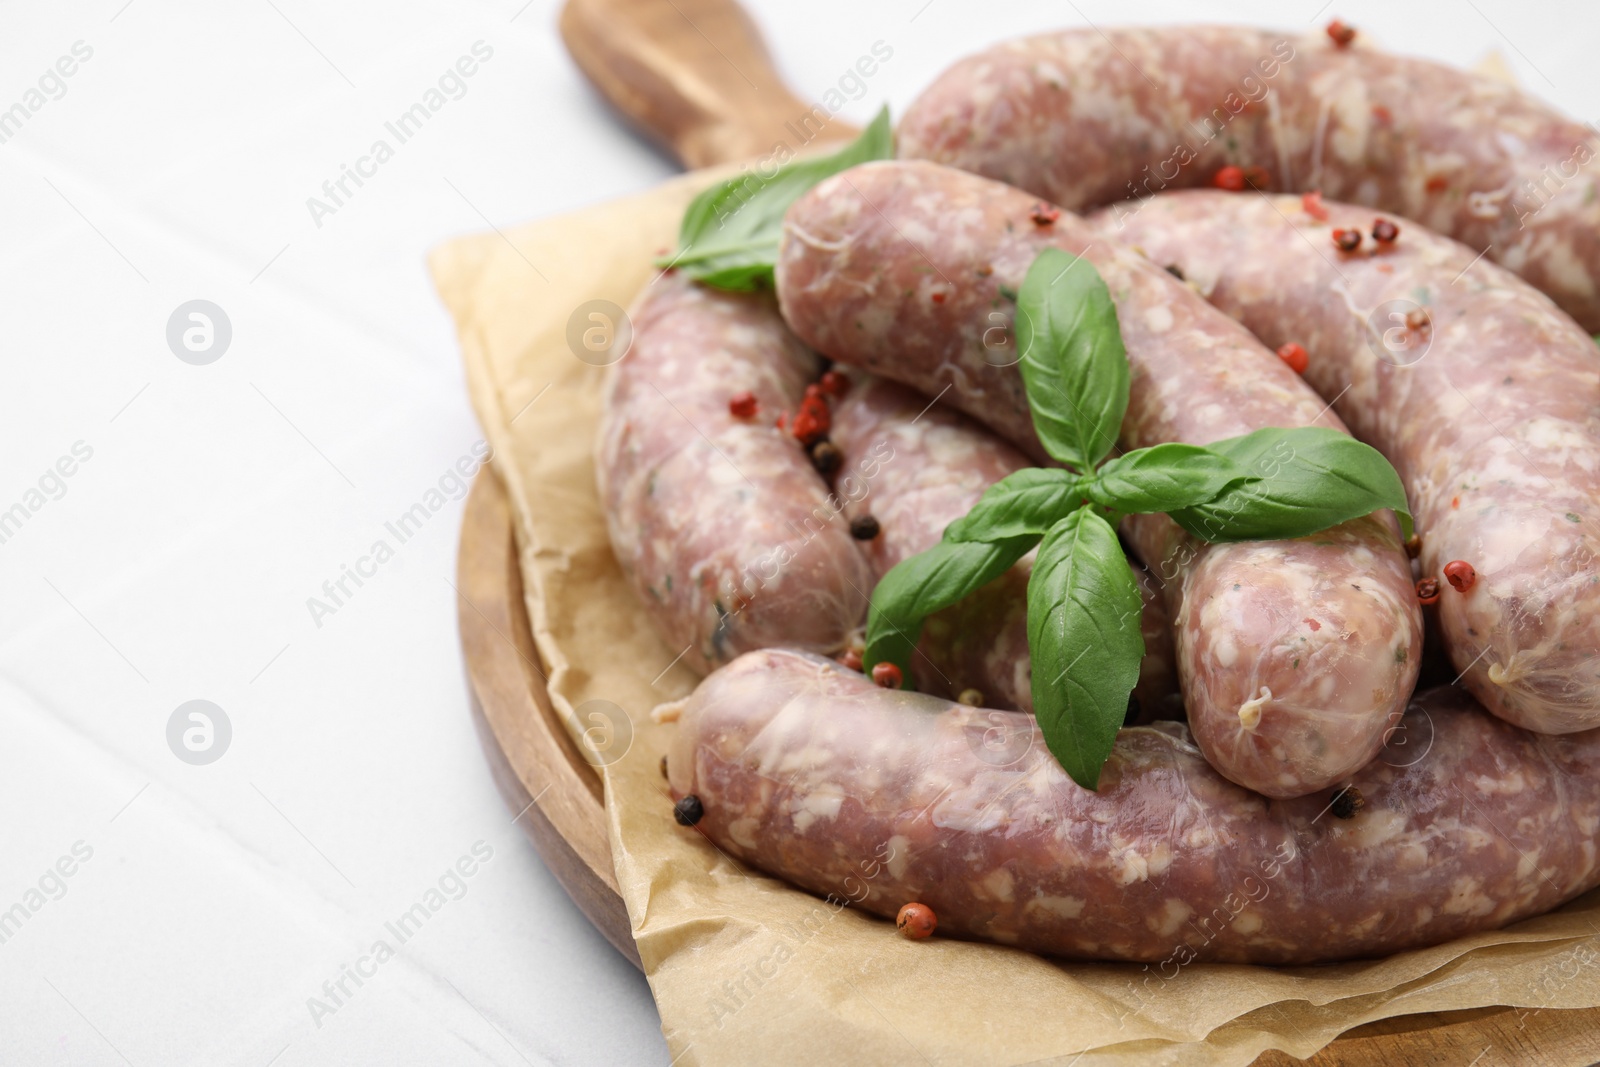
1295 656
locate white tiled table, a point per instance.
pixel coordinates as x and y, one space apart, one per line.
207 905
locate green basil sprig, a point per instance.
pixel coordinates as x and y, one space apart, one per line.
1083 603
1074 367
729 236
1305 480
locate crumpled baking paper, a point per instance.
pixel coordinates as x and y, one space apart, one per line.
744 968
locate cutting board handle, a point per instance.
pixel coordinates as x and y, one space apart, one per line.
692 74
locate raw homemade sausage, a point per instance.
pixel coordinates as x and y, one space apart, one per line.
809 772
724 529
1085 118
931 465
1295 656
1487 401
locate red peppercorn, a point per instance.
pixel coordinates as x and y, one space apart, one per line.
835 384
1459 573
1311 204
1230 178
1418 319
1257 177
851 658
915 921
1384 231
1347 240
887 675
1437 184
1428 591
813 420
1341 34
938 296
806 429
743 405
1295 355
1044 214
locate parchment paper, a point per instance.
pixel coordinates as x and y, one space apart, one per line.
744 968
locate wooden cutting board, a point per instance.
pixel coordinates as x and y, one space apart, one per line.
694 76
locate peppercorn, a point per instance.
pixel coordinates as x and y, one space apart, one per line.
1176 271
887 675
688 811
915 921
1044 214
1341 34
743 405
834 384
1460 574
864 527
1414 546
813 420
1418 319
1311 204
851 658
1347 802
1230 178
1347 240
1428 591
1384 231
825 456
1257 178
972 698
1294 355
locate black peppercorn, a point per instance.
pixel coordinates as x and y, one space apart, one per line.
688 810
1347 802
864 527
825 457
1176 271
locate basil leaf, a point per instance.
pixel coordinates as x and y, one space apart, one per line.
1162 478
918 586
1307 479
1083 634
1029 501
729 236
1074 366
